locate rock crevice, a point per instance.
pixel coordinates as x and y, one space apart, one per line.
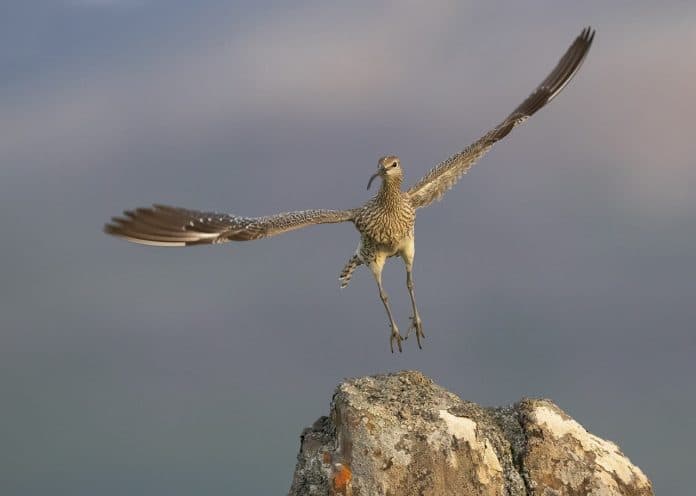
401 434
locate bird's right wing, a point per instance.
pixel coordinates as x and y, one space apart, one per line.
161 225
442 177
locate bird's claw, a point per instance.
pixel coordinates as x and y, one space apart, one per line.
417 327
395 336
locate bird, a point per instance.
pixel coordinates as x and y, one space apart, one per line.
385 222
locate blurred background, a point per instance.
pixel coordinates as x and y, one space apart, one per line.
563 265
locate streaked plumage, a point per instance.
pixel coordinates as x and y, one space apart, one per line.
385 222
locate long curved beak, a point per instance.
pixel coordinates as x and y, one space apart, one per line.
372 179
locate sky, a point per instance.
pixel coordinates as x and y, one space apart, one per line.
563 265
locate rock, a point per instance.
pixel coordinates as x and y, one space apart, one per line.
400 434
561 457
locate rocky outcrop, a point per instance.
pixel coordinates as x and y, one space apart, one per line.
401 434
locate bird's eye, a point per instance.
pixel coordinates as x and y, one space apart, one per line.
394 164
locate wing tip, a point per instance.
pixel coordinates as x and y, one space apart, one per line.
588 34
163 225
118 231
565 71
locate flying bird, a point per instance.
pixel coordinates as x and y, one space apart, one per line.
385 222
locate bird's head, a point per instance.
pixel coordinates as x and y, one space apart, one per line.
388 167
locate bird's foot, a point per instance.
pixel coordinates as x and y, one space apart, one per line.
417 327
395 336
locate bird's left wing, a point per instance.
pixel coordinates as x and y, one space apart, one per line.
161 225
441 178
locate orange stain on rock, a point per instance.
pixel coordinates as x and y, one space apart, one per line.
342 479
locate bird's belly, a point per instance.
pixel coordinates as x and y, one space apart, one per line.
370 249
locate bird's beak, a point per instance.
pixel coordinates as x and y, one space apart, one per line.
372 179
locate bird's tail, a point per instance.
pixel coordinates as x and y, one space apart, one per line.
347 271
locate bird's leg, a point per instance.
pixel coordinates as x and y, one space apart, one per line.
395 336
416 323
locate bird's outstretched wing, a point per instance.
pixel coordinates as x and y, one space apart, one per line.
442 177
161 225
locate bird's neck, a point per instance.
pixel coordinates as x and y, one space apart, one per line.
390 190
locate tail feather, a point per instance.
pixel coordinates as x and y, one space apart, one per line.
347 271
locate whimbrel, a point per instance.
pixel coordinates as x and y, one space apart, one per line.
385 222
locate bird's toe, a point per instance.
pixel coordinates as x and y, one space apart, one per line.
395 337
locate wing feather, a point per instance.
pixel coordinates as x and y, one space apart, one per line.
441 178
162 225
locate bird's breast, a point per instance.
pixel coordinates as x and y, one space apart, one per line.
386 225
